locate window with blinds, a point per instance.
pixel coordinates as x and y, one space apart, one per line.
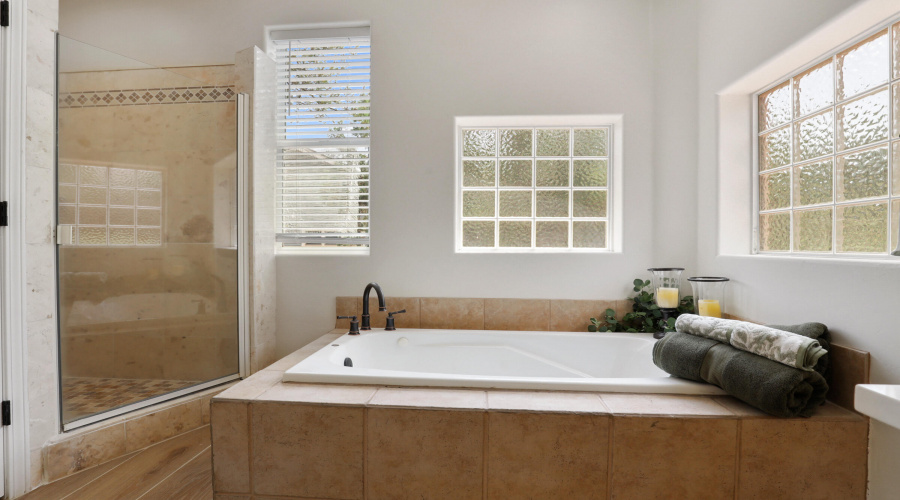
322 170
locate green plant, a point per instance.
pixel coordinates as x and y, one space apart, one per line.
645 316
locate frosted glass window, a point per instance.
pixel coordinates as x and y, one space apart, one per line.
828 150
111 206
546 188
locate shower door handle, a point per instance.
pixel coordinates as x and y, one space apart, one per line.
65 234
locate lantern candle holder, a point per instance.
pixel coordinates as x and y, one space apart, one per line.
666 283
709 295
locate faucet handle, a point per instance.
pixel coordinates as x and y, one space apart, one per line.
354 324
389 324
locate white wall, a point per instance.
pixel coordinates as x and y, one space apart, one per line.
434 61
857 300
674 28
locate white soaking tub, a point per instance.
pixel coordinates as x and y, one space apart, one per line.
602 362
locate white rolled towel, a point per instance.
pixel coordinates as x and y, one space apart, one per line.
784 347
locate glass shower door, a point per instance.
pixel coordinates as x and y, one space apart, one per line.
147 225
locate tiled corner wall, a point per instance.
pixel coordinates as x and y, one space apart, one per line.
40 259
254 75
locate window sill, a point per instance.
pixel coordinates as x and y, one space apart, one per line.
320 252
542 251
886 261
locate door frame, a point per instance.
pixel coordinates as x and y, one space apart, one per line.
13 285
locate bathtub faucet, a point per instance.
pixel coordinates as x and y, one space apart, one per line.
365 312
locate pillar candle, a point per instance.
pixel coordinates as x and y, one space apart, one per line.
667 298
709 307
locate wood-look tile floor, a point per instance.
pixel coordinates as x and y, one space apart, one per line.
176 469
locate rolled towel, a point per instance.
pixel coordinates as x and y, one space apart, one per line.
788 348
765 384
820 333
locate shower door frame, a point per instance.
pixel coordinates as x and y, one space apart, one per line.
15 463
241 115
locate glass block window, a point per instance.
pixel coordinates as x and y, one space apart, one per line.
829 153
541 188
111 206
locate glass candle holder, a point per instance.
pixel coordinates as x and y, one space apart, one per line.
666 282
709 295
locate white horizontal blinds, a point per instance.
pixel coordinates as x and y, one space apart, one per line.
322 171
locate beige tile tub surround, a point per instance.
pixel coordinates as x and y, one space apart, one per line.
341 441
307 450
652 457
849 366
456 314
233 438
517 314
424 453
105 441
547 455
575 315
481 314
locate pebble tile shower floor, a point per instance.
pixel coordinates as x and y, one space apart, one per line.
83 396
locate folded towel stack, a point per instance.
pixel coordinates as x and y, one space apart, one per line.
778 368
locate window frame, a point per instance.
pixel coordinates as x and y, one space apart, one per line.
890 198
614 177
278 33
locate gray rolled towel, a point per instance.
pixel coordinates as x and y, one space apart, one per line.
772 387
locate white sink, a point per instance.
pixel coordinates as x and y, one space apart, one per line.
881 402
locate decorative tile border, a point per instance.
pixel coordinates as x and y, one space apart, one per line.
140 97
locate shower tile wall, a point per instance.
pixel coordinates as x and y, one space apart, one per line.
42 20
254 74
165 309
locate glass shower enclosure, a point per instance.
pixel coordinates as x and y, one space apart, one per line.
147 232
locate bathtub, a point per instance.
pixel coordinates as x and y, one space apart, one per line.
570 361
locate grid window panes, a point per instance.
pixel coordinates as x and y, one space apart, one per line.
545 188
111 206
829 153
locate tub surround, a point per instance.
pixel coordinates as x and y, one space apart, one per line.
849 366
343 441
